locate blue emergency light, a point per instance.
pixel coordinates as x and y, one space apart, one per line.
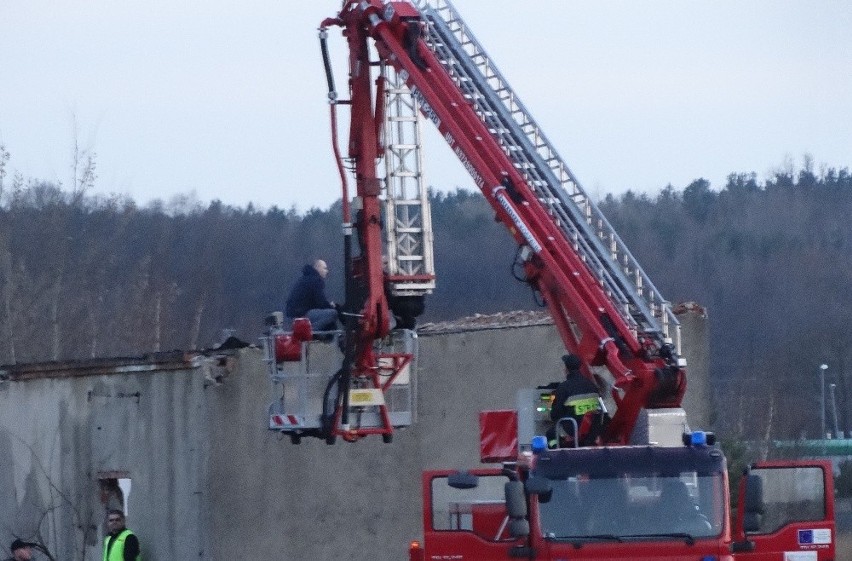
699 438
539 444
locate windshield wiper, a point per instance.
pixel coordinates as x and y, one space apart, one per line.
605 537
578 540
689 539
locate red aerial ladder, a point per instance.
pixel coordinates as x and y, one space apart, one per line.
660 495
604 306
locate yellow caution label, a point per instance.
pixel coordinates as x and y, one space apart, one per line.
366 397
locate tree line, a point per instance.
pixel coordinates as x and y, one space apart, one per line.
84 276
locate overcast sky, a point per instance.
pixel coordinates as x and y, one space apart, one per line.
227 99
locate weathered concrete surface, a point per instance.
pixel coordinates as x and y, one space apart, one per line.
211 483
695 335
361 500
61 429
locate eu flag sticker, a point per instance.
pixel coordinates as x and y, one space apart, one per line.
815 537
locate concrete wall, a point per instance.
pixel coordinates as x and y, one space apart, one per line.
359 500
210 482
362 500
695 333
63 427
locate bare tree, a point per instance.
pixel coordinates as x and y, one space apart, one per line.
55 304
83 519
4 159
82 166
8 294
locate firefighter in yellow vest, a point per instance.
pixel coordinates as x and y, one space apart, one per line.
573 398
120 544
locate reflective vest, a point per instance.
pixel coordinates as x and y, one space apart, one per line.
581 404
116 552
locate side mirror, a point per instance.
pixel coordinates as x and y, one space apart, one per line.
539 486
463 480
516 508
519 528
516 501
754 495
754 505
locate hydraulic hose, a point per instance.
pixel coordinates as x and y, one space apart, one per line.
332 103
343 376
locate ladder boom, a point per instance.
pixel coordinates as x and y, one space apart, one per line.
606 309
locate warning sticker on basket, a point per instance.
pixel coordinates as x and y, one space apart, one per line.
366 397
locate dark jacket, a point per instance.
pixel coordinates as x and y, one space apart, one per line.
574 397
307 294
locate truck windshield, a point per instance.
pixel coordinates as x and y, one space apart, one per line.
634 500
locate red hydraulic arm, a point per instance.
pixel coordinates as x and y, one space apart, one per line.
366 310
585 317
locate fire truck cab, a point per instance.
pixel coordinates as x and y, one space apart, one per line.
628 502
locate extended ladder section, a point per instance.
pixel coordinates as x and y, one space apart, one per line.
408 222
557 190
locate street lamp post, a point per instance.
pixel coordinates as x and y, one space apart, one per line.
834 411
822 369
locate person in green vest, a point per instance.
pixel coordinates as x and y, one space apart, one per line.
573 398
120 544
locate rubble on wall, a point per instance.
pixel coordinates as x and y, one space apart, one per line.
477 322
690 307
523 318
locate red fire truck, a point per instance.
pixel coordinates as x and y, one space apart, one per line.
651 488
628 502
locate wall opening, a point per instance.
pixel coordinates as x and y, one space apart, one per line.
114 489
